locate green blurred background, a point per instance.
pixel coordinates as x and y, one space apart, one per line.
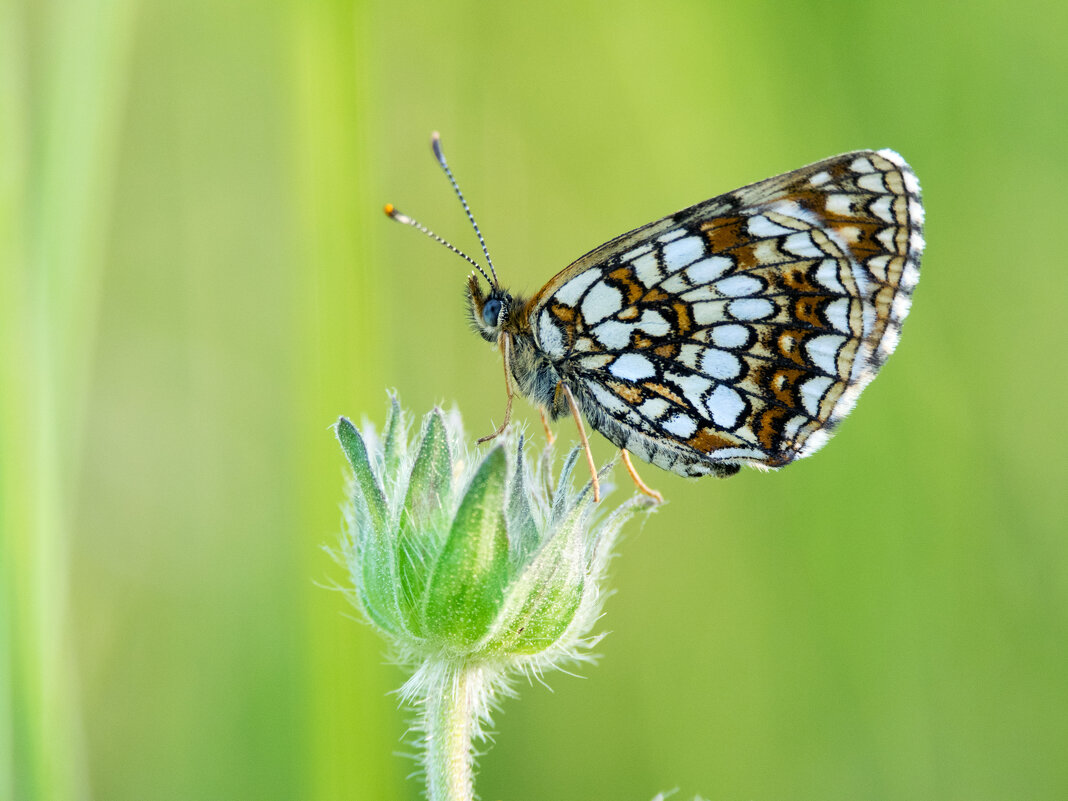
197 279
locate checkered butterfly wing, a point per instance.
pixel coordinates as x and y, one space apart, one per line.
743 329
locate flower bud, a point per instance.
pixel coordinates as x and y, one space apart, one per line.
461 559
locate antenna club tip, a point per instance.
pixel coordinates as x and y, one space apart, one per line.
393 214
435 144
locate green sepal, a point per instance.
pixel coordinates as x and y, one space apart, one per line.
543 599
394 440
522 528
468 580
369 496
562 496
419 536
376 578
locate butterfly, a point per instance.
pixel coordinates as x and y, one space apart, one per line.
738 331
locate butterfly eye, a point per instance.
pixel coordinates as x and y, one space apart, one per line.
491 311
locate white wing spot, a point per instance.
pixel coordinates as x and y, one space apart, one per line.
689 355
731 335
873 182
888 238
823 351
653 324
697 294
861 165
867 318
676 284
739 285
641 250
671 235
683 252
720 364
766 251
840 204
681 425
613 334
820 178
708 269
600 302
827 274
632 367
725 405
882 209
570 292
693 387
708 312
550 337
837 314
801 244
877 266
750 309
760 227
597 361
789 431
653 408
647 270
812 392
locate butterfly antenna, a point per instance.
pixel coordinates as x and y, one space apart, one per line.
393 214
435 142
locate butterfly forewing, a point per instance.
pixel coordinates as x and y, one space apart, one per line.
742 329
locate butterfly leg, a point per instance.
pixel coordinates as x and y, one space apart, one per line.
550 437
506 354
642 486
563 387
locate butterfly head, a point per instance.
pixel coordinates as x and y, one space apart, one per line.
489 313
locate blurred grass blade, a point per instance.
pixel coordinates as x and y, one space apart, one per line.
65 74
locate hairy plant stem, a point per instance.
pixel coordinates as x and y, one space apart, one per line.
453 707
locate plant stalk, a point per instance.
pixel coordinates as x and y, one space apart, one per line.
452 710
